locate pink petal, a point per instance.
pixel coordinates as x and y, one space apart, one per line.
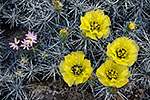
29 32
27 48
22 45
35 38
15 40
22 42
18 41
31 44
26 35
16 47
32 33
11 43
27 41
11 46
34 42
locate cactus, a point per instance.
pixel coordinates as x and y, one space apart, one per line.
27 74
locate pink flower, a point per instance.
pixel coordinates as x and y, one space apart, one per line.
25 44
31 38
14 45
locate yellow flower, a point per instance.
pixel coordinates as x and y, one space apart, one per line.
75 69
95 24
132 25
123 51
112 74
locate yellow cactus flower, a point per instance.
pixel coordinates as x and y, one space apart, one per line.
75 69
132 25
112 74
95 24
123 51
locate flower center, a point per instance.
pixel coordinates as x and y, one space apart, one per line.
121 52
25 44
77 70
94 26
15 43
112 74
30 39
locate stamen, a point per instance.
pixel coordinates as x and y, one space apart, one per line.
94 26
112 74
77 70
121 53
15 43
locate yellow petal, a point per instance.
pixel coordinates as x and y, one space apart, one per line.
122 82
99 34
68 78
91 35
84 24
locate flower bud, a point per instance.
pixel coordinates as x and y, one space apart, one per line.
132 25
57 4
63 34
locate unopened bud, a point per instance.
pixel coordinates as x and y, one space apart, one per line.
63 33
132 25
58 5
